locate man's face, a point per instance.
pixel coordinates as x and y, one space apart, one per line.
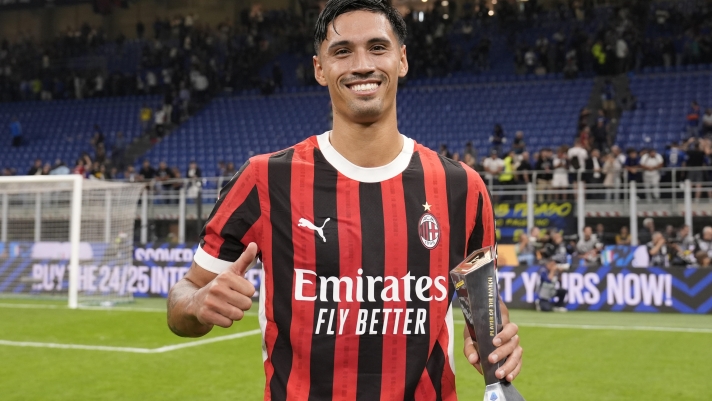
587 232
361 64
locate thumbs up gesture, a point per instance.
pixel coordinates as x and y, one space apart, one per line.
226 298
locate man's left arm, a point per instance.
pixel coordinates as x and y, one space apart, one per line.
507 341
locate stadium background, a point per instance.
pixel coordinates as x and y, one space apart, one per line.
117 84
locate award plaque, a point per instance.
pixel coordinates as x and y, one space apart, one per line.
476 286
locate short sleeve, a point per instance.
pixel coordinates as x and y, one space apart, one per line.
232 223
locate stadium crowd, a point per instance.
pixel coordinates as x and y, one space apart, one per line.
671 247
185 53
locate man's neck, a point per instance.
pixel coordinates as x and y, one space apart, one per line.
372 145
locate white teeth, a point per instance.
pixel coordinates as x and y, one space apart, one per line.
364 87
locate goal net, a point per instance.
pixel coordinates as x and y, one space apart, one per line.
64 236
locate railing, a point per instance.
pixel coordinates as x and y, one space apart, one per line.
192 200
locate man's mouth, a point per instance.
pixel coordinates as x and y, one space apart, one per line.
364 88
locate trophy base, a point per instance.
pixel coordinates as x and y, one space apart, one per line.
503 391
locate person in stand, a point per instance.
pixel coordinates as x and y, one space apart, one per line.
363 184
548 291
623 237
16 132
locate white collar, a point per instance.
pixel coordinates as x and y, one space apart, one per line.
366 174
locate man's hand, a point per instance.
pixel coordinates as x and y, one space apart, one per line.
507 343
226 298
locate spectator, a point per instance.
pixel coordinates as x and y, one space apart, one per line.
600 135
545 166
145 117
560 180
594 170
685 238
646 234
704 260
163 175
703 241
493 166
693 120
60 168
623 237
658 251
612 170
577 156
556 248
651 163
707 122
46 168
16 132
159 121
548 291
674 159
118 151
79 167
36 168
507 175
444 152
632 165
518 144
602 236
526 253
194 174
498 138
147 172
131 175
695 158
587 246
524 176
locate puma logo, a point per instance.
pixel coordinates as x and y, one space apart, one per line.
308 224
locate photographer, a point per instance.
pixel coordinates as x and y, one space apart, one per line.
549 277
588 246
658 251
556 249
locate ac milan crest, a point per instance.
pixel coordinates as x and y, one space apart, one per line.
429 231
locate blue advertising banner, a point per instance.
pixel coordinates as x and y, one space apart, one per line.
36 268
511 219
607 288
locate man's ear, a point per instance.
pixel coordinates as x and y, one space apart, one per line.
319 71
403 62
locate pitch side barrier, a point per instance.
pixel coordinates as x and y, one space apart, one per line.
619 284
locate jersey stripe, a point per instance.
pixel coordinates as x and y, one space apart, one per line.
414 183
238 203
372 257
269 336
282 275
437 193
396 265
347 346
327 265
302 203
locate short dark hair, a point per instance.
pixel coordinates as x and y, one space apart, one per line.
334 8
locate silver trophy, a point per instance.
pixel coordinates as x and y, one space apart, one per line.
476 285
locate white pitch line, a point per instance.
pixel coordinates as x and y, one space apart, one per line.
621 328
94 308
133 350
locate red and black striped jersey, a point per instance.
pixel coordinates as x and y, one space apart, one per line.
356 296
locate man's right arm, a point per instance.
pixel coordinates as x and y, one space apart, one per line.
203 299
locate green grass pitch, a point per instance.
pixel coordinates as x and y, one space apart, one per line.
568 356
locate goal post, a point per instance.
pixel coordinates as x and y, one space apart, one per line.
66 236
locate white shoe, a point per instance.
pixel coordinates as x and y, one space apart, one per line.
559 309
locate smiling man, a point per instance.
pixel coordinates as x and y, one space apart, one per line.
357 229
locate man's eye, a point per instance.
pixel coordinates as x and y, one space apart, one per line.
379 48
341 52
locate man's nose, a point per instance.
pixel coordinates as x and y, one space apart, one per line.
362 62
